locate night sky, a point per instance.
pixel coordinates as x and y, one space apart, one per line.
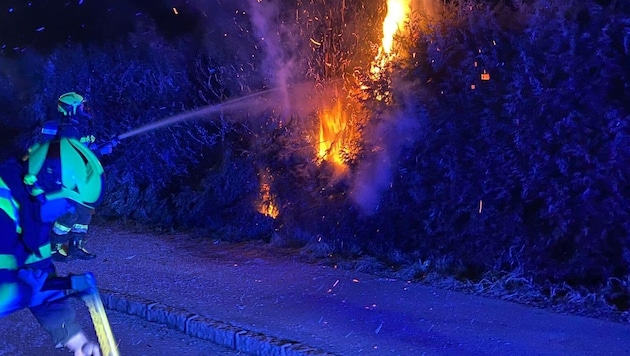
44 24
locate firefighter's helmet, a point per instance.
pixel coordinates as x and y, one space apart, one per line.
69 103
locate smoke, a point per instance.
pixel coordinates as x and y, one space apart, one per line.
429 8
386 138
282 50
391 133
262 38
276 35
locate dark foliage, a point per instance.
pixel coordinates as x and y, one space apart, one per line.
523 173
539 146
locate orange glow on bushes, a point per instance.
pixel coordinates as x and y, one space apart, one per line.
267 204
332 125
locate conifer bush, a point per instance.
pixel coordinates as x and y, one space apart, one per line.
522 172
535 144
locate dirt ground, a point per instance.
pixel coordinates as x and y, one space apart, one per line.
256 287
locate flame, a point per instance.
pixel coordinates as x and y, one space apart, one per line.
332 124
397 14
267 204
337 135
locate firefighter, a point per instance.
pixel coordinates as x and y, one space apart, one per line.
73 121
56 177
70 230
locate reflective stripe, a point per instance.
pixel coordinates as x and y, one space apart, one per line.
8 298
9 205
8 262
88 139
44 251
48 131
80 228
60 229
8 291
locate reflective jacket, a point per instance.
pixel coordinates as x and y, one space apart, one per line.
75 129
53 129
25 243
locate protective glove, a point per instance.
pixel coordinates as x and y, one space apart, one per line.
35 278
109 146
105 149
89 349
81 346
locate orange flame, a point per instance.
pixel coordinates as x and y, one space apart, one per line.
332 124
267 204
397 14
336 133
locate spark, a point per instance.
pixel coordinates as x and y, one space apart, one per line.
331 288
175 11
378 329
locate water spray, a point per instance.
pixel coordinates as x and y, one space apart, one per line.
205 111
249 101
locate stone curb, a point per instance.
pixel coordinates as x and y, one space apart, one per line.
224 334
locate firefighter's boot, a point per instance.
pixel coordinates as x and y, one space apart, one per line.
77 250
60 252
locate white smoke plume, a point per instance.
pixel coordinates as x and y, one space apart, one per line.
386 137
275 36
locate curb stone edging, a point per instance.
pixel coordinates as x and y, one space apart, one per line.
224 334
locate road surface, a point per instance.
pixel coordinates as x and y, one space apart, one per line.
22 335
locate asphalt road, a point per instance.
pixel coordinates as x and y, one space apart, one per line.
22 335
